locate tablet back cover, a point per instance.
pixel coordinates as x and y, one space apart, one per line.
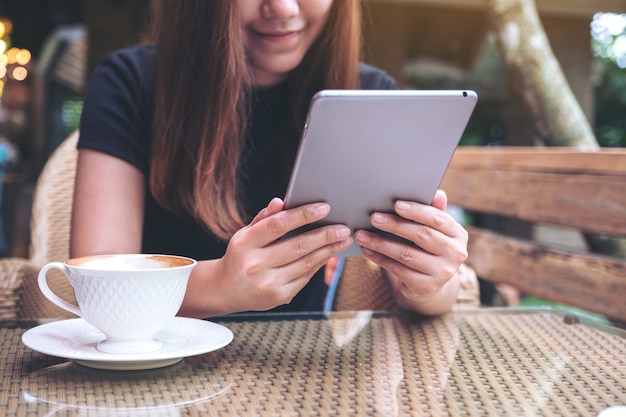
362 150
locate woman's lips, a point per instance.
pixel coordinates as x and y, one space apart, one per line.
277 35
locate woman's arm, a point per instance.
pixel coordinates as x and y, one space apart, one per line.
107 215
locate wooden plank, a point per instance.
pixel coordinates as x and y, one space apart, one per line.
551 159
585 190
594 203
592 282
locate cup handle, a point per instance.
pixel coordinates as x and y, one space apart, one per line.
47 292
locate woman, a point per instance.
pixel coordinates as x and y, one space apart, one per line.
186 143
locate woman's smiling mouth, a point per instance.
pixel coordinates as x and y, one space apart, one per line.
276 36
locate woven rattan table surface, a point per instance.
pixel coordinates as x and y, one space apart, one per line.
467 363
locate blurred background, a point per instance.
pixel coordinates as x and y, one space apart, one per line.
49 47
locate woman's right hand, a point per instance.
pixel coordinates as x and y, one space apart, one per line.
262 268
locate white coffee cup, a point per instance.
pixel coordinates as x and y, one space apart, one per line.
128 297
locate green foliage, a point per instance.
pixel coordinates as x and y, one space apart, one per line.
608 31
610 109
70 114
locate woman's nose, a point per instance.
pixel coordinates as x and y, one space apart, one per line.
279 9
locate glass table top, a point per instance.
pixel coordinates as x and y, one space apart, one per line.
519 362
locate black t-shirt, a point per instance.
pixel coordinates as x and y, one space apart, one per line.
117 120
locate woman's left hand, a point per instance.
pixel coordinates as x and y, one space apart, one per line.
422 268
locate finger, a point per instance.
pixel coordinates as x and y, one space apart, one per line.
400 258
293 281
274 206
421 235
315 260
412 283
420 272
278 224
430 216
440 200
321 243
292 277
451 244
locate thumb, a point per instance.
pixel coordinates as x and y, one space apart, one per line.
274 206
440 200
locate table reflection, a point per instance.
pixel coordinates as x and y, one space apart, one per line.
434 342
72 389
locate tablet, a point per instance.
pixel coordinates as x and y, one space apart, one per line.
361 150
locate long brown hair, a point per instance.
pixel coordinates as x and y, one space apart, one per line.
201 91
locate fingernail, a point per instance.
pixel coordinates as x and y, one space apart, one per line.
380 218
362 237
345 243
402 205
342 232
321 209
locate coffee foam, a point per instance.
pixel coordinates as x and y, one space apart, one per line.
128 262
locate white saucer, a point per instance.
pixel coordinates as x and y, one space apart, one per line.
76 339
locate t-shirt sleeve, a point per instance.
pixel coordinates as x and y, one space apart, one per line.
373 78
116 115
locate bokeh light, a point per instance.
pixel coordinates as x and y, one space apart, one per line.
6 27
12 55
19 73
23 57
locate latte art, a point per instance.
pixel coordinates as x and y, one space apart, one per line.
124 262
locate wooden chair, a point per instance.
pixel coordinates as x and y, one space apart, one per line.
562 187
49 235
